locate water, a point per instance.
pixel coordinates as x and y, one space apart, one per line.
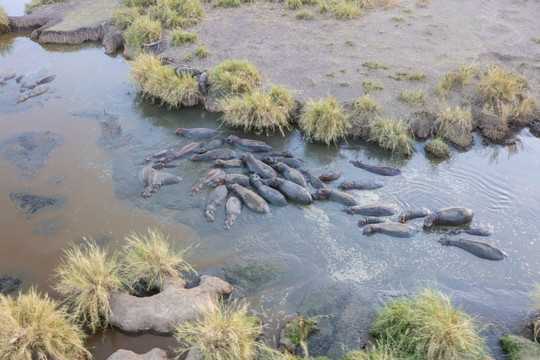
322 264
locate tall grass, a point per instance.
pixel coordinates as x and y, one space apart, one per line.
85 279
174 13
438 148
345 10
181 37
124 17
156 81
365 105
498 85
427 327
413 97
149 260
142 30
378 352
259 111
4 22
391 134
138 3
235 77
35 327
324 121
454 79
455 125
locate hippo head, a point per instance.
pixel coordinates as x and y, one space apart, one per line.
368 230
344 185
218 163
217 182
180 131
159 165
279 167
231 139
321 194
287 154
268 160
254 178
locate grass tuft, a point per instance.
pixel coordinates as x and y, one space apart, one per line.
324 121
85 278
139 3
387 3
4 22
180 37
454 79
149 260
142 30
374 65
391 134
498 85
294 4
345 10
124 17
535 40
201 52
455 125
428 327
235 77
413 97
228 3
438 148
258 111
370 86
414 76
365 105
378 352
35 327
299 329
156 81
177 12
305 15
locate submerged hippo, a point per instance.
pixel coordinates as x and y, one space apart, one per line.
313 179
8 76
331 175
291 190
335 195
197 133
414 213
385 170
482 249
152 180
371 220
205 179
271 195
212 145
225 164
289 161
472 231
450 216
228 179
249 145
374 210
41 89
258 167
223 154
391 229
252 200
361 185
233 208
216 198
43 80
185 151
290 174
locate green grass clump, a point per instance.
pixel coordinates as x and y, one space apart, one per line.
519 348
293 4
378 352
370 86
4 22
124 17
36 3
201 52
324 121
235 77
35 327
374 65
221 332
438 148
454 79
366 105
181 37
142 30
498 85
391 134
138 3
414 76
228 3
535 40
413 97
174 13
304 15
149 260
158 82
345 10
455 125
299 329
85 279
259 111
427 327
422 3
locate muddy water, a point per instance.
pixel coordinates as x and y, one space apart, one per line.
318 260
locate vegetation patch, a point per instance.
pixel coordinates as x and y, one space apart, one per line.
438 148
235 77
294 4
124 17
345 10
4 22
142 30
365 105
374 65
427 327
231 3
422 3
259 111
36 3
35 327
519 348
413 97
455 125
391 134
158 82
415 76
177 12
535 40
324 121
370 86
378 352
139 3
454 79
85 278
305 15
498 85
180 37
299 329
201 52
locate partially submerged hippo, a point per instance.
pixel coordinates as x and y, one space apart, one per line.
391 229
252 200
215 199
197 133
449 216
291 190
361 185
258 167
223 154
248 144
482 249
335 195
374 210
271 195
233 208
290 174
385 170
414 213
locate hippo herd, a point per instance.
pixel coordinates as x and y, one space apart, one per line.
28 90
277 178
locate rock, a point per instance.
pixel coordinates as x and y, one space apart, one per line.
49 227
519 348
160 313
194 354
112 41
32 204
211 103
154 354
8 284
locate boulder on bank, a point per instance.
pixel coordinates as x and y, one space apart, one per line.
519 348
154 354
160 313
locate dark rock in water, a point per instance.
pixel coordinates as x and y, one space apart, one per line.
112 135
49 227
32 204
8 284
28 150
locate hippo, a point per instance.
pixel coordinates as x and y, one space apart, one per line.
374 210
162 165
41 89
361 185
313 179
291 190
43 80
391 229
185 151
450 216
385 170
8 76
272 196
252 200
203 83
481 249
233 208
223 154
258 167
148 176
159 155
331 175
290 174
249 145
212 145
473 231
216 198
414 213
289 161
335 195
228 179
188 70
371 220
205 179
197 133
225 164
284 154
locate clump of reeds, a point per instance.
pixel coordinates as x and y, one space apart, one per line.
324 120
181 37
177 12
498 85
365 105
150 261
142 30
156 81
260 111
438 148
294 4
304 15
85 279
345 10
36 327
4 22
299 329
378 352
427 327
201 52
413 97
124 17
455 125
454 79
235 77
391 134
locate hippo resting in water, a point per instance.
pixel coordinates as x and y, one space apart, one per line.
450 216
482 249
390 229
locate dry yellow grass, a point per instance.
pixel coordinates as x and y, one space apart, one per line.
4 22
455 125
235 77
324 121
391 134
499 85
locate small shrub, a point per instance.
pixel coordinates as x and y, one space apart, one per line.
351 43
415 76
85 279
138 3
398 18
365 105
228 3
391 134
235 77
374 65
453 79
4 22
370 86
188 58
124 17
322 6
299 329
177 12
413 97
455 125
324 121
142 30
345 10
294 4
535 40
258 111
438 148
522 111
149 260
331 74
201 52
428 327
367 4
305 15
181 37
499 85
35 327
344 84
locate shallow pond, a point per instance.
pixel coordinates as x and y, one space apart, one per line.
311 260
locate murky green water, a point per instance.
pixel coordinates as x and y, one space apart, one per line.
314 259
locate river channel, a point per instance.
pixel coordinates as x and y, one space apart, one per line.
312 259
